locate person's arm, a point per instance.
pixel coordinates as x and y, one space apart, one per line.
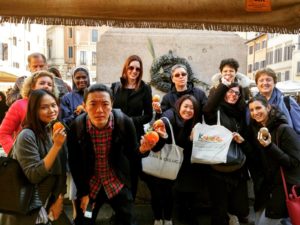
10 126
211 107
14 94
67 115
295 115
148 111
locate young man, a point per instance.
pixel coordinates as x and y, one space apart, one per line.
36 62
101 143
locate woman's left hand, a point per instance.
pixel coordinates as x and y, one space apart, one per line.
57 207
237 138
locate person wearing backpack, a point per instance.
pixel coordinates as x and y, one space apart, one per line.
266 80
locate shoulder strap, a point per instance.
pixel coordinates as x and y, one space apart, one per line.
116 87
287 102
281 169
119 117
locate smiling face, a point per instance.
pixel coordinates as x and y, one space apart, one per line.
228 73
232 95
133 70
43 82
265 85
259 112
48 109
98 107
80 80
186 110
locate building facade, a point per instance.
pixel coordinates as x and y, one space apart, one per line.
276 51
17 41
72 46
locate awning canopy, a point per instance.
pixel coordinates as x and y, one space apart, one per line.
11 74
226 15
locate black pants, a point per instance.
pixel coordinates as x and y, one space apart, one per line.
122 204
227 197
161 197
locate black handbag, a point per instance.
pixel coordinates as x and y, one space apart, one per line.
17 194
235 159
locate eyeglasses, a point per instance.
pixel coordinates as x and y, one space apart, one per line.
237 93
179 74
137 69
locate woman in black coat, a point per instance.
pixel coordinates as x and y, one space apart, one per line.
190 177
134 97
278 148
228 188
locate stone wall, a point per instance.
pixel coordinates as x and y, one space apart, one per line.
203 49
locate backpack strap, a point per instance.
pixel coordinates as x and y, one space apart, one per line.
287 102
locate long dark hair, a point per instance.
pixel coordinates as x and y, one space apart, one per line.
195 105
32 120
124 79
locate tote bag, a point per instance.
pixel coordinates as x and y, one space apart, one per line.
165 163
210 143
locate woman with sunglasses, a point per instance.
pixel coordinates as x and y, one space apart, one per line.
278 147
180 86
11 124
228 188
134 97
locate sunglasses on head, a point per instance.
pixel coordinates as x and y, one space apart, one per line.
179 74
138 69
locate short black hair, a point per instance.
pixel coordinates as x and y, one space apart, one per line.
229 62
97 88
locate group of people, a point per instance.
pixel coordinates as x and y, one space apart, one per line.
103 142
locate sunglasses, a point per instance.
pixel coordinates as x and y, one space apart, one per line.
237 93
137 69
179 74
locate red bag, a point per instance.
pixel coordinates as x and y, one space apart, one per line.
292 201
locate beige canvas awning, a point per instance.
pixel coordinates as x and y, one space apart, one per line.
226 15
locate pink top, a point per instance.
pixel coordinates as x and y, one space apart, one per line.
11 124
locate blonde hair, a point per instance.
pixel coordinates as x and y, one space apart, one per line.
30 82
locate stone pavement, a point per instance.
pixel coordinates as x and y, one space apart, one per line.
145 216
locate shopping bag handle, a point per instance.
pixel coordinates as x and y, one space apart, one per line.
218 118
171 129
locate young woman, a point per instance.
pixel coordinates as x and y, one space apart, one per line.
228 190
40 155
72 100
190 177
280 147
11 124
134 97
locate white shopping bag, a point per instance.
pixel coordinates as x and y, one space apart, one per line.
165 163
210 143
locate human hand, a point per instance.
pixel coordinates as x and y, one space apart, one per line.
56 208
264 139
160 128
84 202
79 110
237 138
59 136
156 107
146 145
226 81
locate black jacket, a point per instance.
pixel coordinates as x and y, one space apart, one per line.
170 98
137 104
191 177
124 147
265 170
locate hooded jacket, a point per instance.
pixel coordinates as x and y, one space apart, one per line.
70 101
